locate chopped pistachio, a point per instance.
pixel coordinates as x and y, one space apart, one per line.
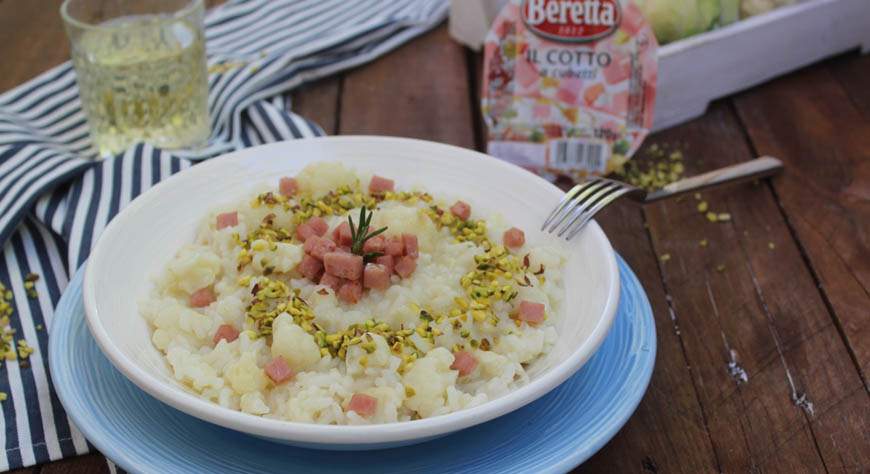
702 207
723 216
771 245
720 268
712 217
703 242
665 257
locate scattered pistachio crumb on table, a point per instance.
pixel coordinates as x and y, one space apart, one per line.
39 327
771 245
702 207
703 242
665 257
723 217
712 217
720 268
656 168
697 196
2 396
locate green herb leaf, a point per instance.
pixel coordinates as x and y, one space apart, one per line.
360 234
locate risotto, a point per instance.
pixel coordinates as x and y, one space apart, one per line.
337 299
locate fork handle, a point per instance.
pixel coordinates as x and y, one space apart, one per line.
746 171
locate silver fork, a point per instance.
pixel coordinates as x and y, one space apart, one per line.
583 201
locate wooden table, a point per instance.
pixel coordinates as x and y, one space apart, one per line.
762 363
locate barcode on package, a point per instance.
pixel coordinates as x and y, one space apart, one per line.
568 154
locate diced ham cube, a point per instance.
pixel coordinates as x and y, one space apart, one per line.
387 261
376 276
374 244
331 281
227 219
317 247
410 242
362 404
379 184
287 187
464 362
345 265
305 232
514 238
310 268
278 370
405 266
350 291
201 298
531 312
341 234
394 246
225 331
319 225
461 210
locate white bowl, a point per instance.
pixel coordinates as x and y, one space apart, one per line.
138 243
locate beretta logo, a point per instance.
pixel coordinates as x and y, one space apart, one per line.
571 21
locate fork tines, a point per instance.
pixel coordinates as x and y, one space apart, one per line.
582 202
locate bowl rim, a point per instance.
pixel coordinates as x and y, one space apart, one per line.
359 435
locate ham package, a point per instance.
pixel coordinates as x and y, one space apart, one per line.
568 85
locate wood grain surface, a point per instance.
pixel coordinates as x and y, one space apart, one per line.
763 333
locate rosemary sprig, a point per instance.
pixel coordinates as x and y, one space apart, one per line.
360 234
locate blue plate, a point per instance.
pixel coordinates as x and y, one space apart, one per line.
553 434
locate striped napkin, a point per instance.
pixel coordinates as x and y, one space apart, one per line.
55 200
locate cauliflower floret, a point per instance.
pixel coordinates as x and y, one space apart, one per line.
282 259
191 369
429 379
291 342
521 349
195 267
172 318
252 402
244 376
317 179
380 357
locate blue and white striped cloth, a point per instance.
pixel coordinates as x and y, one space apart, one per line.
55 200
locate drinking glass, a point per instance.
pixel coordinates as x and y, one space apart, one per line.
141 71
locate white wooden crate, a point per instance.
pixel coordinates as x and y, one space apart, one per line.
702 68
697 70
